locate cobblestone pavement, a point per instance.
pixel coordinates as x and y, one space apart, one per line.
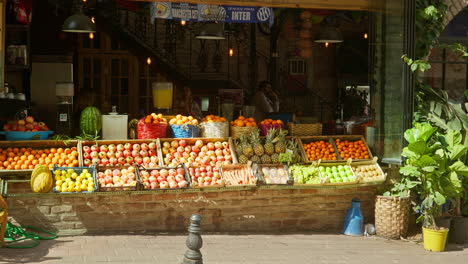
230 249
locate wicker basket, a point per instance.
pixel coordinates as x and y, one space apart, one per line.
391 216
150 130
305 129
237 132
215 129
264 128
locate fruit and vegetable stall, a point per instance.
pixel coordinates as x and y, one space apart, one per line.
251 160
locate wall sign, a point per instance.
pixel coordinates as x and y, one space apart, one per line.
221 13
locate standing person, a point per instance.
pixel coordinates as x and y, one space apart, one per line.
265 100
191 107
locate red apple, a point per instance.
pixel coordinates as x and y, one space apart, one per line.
152 152
180 149
110 154
139 160
95 160
112 160
120 147
195 149
154 185
20 128
104 161
29 119
86 149
199 143
135 153
152 146
143 153
128 146
179 177
94 148
121 160
112 148
144 146
164 184
127 153
146 160
102 155
119 154
129 159
87 162
153 179
180 171
21 122
104 148
218 145
182 184
173 184
164 172
182 143
136 147
160 178
86 155
210 146
174 144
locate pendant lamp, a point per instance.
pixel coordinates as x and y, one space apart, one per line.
79 23
329 34
213 31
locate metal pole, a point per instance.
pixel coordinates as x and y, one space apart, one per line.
194 242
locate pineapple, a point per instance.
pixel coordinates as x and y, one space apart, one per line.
280 146
238 147
257 146
275 158
266 159
247 149
255 159
243 159
269 146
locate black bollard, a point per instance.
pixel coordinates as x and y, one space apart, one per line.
194 242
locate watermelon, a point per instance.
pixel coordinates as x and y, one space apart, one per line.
90 121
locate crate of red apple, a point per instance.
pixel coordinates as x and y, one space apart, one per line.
164 178
197 152
118 153
206 176
117 178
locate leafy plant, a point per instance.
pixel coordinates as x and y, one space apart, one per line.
432 169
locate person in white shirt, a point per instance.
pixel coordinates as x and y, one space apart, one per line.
265 101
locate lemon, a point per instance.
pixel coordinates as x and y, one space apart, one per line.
83 187
59 182
90 189
74 175
91 180
58 177
79 179
57 172
91 184
88 175
77 188
70 171
58 188
85 182
65 189
71 184
68 180
84 171
63 178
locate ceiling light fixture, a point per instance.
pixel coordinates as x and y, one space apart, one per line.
329 33
213 31
79 23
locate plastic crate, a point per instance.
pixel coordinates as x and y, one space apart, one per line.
116 188
78 170
143 187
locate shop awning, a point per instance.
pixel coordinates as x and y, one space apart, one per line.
317 4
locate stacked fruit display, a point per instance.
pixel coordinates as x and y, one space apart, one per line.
164 178
121 154
28 158
213 118
196 154
320 150
26 124
337 174
271 122
264 151
73 180
155 119
183 120
205 176
305 174
275 175
242 121
368 173
238 175
352 149
117 177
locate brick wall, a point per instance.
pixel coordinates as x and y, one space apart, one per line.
250 210
454 7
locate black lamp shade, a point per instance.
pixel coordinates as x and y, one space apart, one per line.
211 31
79 23
329 33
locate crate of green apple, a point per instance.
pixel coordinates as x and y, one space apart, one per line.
205 176
117 178
120 153
195 152
163 178
274 174
337 174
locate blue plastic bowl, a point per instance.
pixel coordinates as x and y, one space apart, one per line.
29 135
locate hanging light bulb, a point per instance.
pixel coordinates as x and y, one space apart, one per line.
148 61
84 1
183 22
327 44
231 52
365 35
91 35
93 20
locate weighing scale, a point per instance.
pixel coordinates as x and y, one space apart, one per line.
64 93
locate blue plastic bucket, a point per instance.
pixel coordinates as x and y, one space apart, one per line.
26 135
185 131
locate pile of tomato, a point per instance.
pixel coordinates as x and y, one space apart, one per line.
320 150
352 149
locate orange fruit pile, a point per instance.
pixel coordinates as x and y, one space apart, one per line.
353 150
242 121
28 158
213 118
271 122
155 119
183 120
320 150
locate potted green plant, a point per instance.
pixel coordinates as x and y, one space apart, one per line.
431 172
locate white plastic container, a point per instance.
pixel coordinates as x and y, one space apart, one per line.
114 126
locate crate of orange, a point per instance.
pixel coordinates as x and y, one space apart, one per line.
21 157
243 126
268 124
318 148
214 127
352 147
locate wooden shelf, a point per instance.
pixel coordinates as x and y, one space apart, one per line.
16 68
17 26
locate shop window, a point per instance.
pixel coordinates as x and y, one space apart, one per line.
297 67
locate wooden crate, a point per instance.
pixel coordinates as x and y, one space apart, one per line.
312 164
116 188
343 163
186 176
37 145
81 144
306 140
225 168
191 141
352 138
373 162
223 184
261 176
